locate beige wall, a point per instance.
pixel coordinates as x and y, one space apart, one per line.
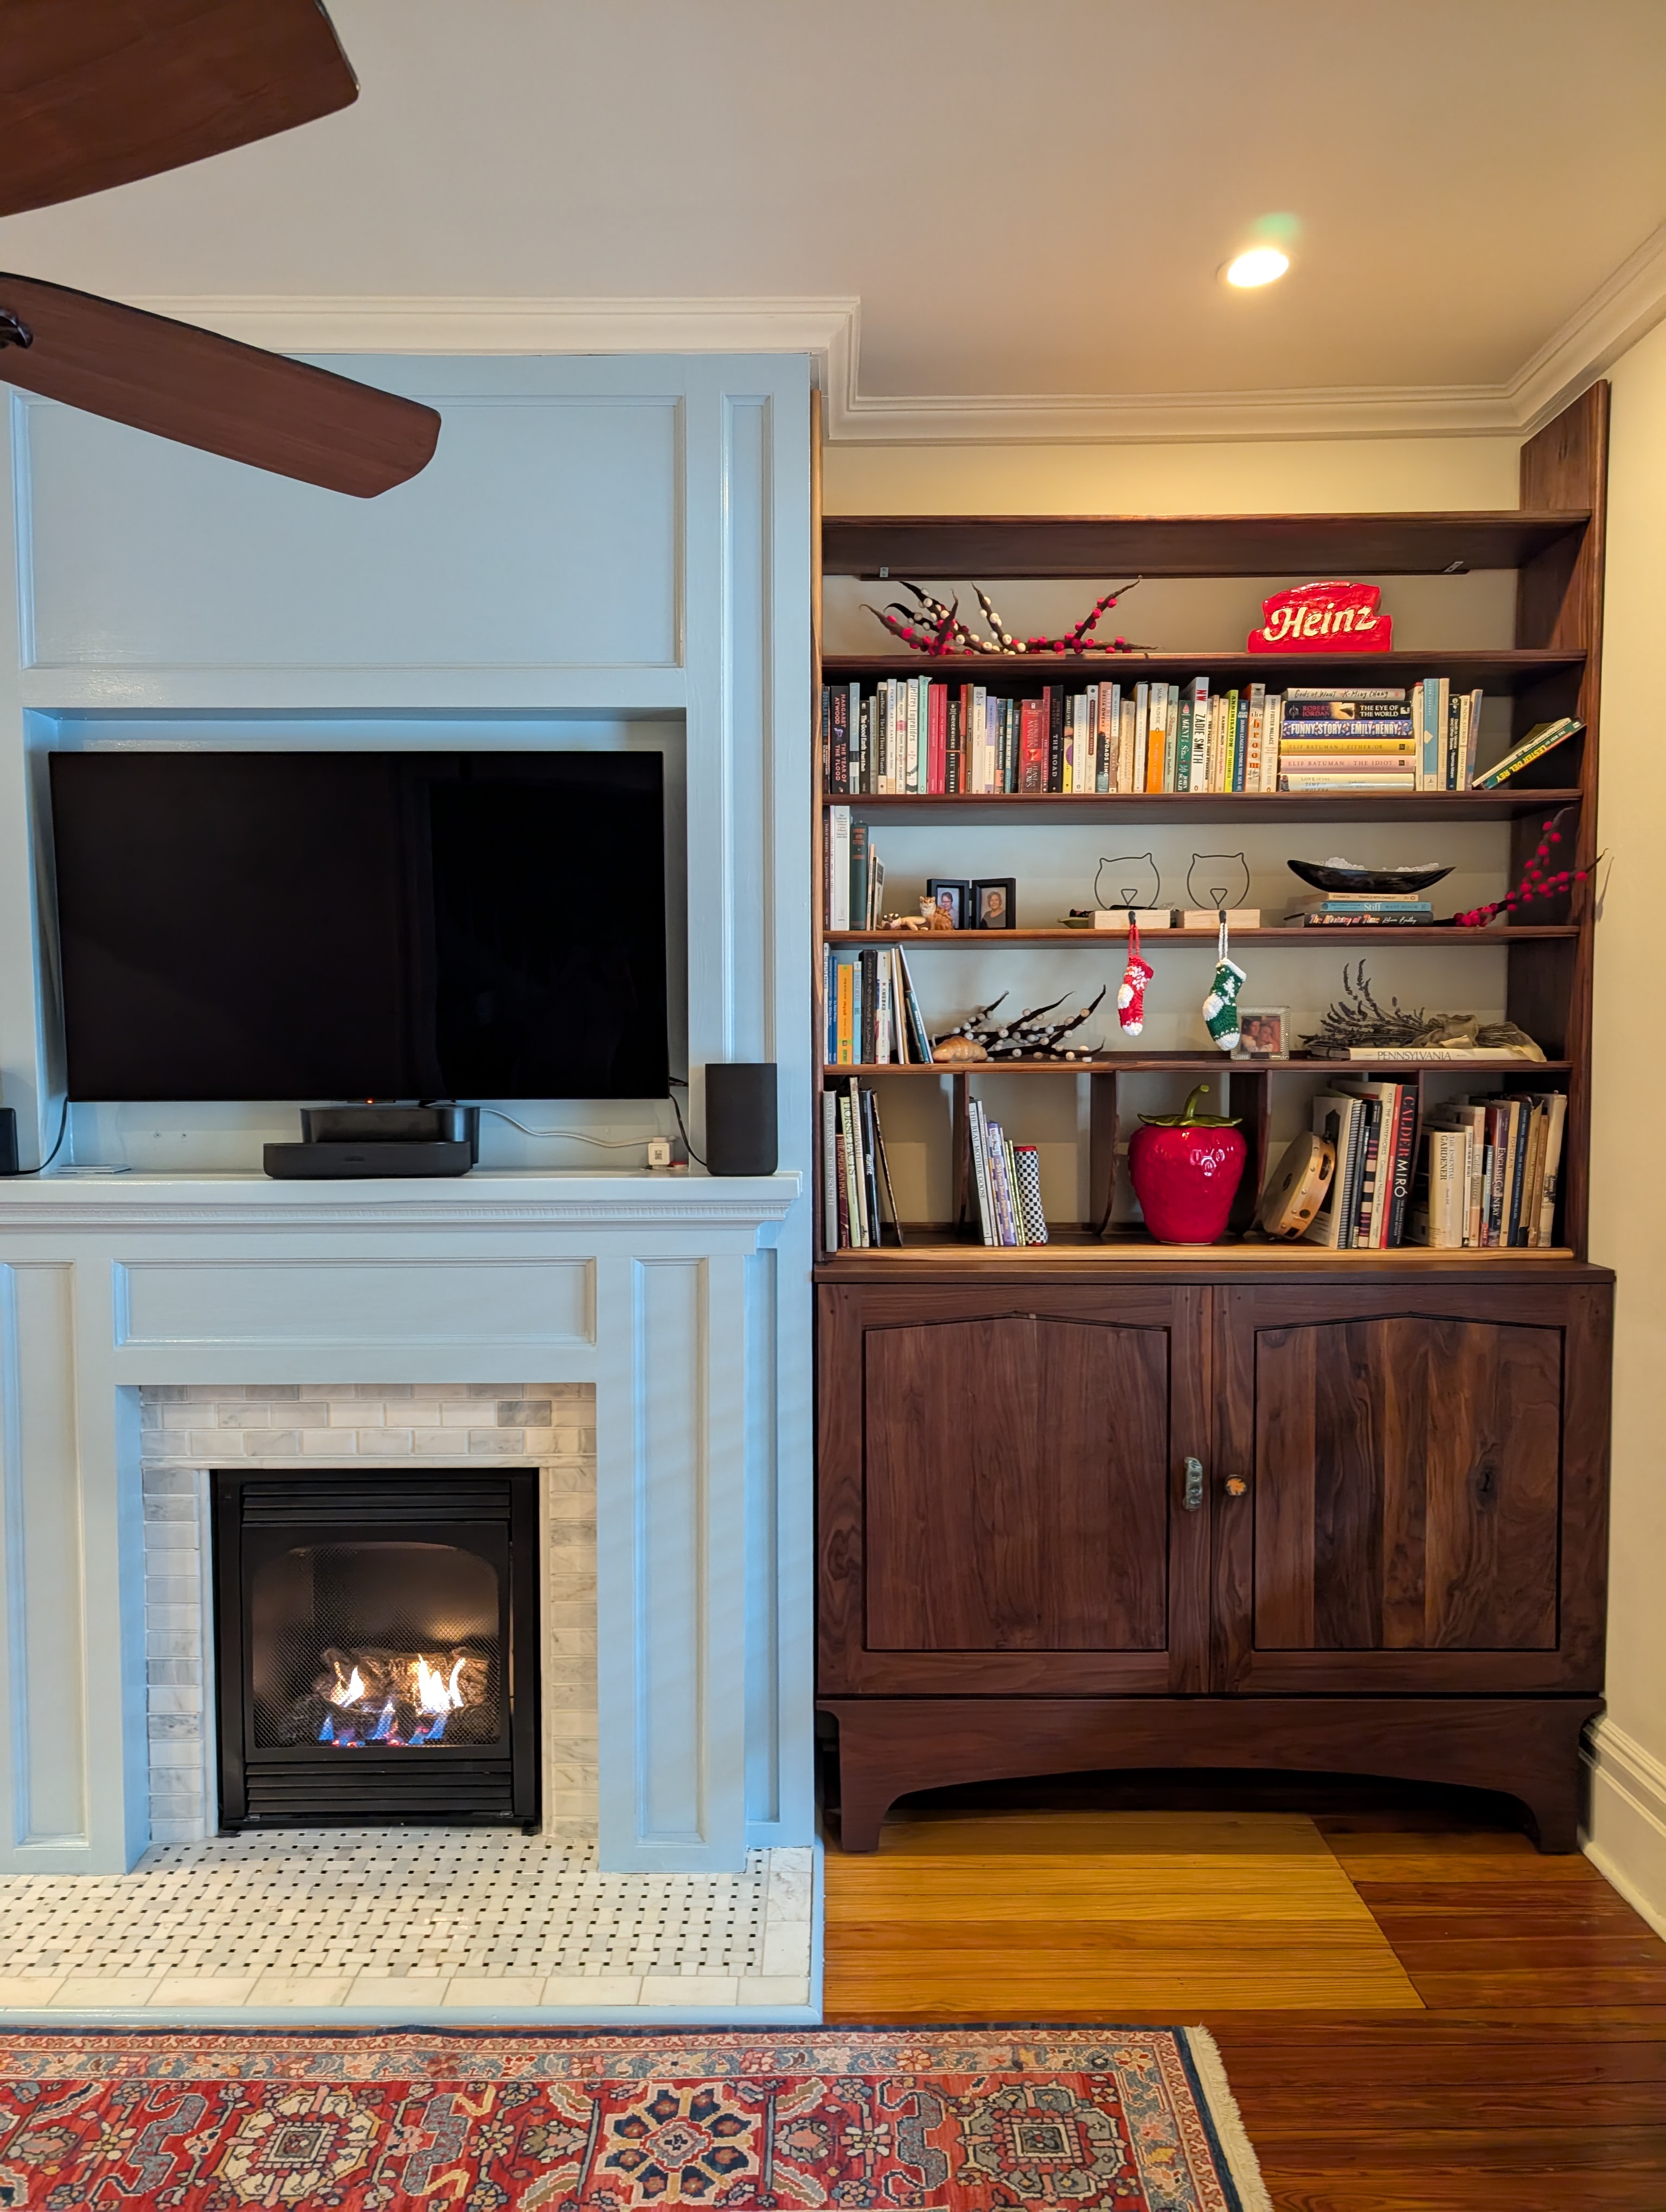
1274 477
1628 1202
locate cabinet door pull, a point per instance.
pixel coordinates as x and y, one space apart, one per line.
1237 1487
1194 1491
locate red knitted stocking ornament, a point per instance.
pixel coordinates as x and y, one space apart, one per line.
1131 997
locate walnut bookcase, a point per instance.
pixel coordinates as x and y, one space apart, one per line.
1103 1503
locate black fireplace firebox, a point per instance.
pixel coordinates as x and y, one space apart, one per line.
376 1648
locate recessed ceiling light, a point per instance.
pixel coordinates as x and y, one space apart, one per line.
1259 264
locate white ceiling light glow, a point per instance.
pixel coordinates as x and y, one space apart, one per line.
1257 265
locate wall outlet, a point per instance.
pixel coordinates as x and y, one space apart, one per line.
659 1151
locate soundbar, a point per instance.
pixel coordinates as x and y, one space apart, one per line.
328 1162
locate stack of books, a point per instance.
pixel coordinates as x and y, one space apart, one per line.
1490 1172
854 1171
1006 1179
1362 910
873 1018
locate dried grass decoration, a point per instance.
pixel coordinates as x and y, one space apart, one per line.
1028 1036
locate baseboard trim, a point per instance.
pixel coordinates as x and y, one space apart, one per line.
1625 1838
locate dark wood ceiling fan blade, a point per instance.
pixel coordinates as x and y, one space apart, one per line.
95 93
200 389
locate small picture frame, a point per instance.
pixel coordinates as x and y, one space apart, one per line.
994 903
1264 1033
953 894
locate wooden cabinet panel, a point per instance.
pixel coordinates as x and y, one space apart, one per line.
1003 1494
1017 1477
1407 1485
1420 1489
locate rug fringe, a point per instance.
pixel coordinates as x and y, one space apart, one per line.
1234 2138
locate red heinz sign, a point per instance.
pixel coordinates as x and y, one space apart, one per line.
1325 618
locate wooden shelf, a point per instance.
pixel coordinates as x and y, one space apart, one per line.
1507 669
1198 1063
980 548
937 1247
1045 809
992 940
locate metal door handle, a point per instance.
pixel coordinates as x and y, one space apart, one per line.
1193 1495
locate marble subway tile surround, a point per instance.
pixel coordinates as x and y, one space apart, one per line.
188 1429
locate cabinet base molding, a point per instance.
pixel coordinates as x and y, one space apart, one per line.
1525 1747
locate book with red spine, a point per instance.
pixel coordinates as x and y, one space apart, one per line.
937 740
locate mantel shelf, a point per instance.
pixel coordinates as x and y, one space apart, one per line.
1033 808
933 547
1503 669
1332 940
934 1250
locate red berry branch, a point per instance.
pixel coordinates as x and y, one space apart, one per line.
1537 881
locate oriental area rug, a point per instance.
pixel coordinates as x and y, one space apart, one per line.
1106 2120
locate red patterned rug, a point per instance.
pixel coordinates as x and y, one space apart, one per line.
1106 2120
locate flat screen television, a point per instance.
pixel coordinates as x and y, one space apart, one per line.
333 926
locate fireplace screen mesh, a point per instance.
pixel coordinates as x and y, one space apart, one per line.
377 1645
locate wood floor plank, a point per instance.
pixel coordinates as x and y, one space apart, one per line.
1509 2055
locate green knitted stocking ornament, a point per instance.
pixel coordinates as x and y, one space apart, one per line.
1220 1008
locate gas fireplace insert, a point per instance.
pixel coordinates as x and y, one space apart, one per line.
376 1648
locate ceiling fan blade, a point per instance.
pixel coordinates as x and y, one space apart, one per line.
95 93
200 389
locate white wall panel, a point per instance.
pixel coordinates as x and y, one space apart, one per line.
543 534
44 1600
537 1303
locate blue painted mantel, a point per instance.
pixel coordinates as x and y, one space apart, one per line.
605 552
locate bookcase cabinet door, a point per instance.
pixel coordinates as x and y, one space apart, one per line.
1003 1491
1424 1478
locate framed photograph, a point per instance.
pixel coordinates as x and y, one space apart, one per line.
954 894
995 904
1265 1033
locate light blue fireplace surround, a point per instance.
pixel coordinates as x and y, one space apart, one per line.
604 551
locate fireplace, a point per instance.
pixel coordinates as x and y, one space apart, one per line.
376 1646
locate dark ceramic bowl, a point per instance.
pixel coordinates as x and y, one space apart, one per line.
1386 880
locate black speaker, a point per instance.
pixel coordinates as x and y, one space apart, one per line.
7 1140
740 1117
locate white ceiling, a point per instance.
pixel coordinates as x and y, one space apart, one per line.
1028 198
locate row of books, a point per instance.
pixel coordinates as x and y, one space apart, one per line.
1006 1180
1482 1171
1490 1171
1363 910
874 1018
921 734
853 874
854 1171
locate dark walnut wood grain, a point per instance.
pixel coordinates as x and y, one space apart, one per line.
1425 1479
96 93
200 389
1017 1487
1001 1489
1406 1486
1526 1748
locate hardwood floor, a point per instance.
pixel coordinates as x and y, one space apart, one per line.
1416 2016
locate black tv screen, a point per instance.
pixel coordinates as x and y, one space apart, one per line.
333 926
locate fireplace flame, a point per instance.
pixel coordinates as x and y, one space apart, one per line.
435 1693
350 1691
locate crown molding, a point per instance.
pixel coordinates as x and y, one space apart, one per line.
1625 305
1621 310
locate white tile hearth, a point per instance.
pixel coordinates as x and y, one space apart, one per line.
429 1922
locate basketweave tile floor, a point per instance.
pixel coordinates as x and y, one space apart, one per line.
425 1921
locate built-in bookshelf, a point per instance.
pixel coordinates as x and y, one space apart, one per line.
1540 977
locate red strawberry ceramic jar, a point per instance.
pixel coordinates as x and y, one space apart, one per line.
1186 1169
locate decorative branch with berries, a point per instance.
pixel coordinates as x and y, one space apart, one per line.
1538 881
935 627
